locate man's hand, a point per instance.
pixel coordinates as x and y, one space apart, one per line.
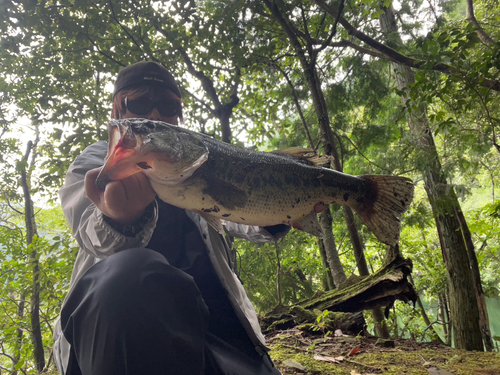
123 201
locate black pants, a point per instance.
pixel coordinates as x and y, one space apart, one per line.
133 313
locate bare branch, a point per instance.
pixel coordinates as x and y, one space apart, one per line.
123 27
297 104
202 102
8 203
485 38
357 47
368 160
433 12
334 28
104 54
206 83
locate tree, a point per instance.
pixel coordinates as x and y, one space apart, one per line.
446 226
307 56
36 253
244 78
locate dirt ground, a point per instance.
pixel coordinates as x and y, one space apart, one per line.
298 352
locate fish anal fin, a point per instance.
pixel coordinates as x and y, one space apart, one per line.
225 193
390 197
309 224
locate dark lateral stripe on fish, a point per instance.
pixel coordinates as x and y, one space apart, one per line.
223 192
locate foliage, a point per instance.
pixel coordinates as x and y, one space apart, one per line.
301 269
56 251
58 60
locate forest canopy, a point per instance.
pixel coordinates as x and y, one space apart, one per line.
408 89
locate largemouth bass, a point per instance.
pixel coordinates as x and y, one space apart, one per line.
223 182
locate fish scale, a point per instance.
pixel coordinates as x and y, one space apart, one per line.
223 182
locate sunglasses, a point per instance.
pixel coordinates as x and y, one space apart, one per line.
144 105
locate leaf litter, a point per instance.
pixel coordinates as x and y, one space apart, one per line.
319 354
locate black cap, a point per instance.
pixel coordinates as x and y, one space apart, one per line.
146 73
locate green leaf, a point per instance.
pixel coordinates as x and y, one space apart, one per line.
19 364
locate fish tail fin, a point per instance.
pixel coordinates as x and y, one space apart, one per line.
389 198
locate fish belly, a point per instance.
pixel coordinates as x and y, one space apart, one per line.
262 208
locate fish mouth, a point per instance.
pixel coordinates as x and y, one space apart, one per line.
120 164
124 157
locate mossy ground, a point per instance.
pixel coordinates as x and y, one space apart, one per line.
407 357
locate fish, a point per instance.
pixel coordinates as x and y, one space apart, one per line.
223 182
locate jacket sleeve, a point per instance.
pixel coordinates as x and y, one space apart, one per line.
94 235
256 234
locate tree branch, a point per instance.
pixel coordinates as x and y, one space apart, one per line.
368 160
122 27
395 56
357 47
485 38
297 104
104 54
334 28
8 203
206 83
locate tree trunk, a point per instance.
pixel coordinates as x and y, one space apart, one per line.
278 273
484 320
463 305
427 321
443 317
485 38
328 142
328 283
29 215
332 254
381 288
19 343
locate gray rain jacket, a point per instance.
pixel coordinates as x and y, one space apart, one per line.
98 240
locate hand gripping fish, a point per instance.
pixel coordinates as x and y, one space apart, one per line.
223 182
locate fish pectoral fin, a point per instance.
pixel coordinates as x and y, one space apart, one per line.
214 222
309 224
224 193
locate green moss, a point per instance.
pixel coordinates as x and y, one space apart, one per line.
279 353
277 323
458 362
395 362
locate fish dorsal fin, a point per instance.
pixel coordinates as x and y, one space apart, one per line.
307 155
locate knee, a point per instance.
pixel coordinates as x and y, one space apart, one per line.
132 275
131 262
124 271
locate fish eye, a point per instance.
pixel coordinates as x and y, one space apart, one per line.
128 139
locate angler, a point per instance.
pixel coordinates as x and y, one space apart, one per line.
152 290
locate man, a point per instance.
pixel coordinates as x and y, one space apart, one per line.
152 290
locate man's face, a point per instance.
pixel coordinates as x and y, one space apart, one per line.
159 106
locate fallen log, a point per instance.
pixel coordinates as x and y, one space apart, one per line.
381 288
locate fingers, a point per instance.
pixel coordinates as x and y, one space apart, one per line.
125 200
138 188
132 194
91 190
